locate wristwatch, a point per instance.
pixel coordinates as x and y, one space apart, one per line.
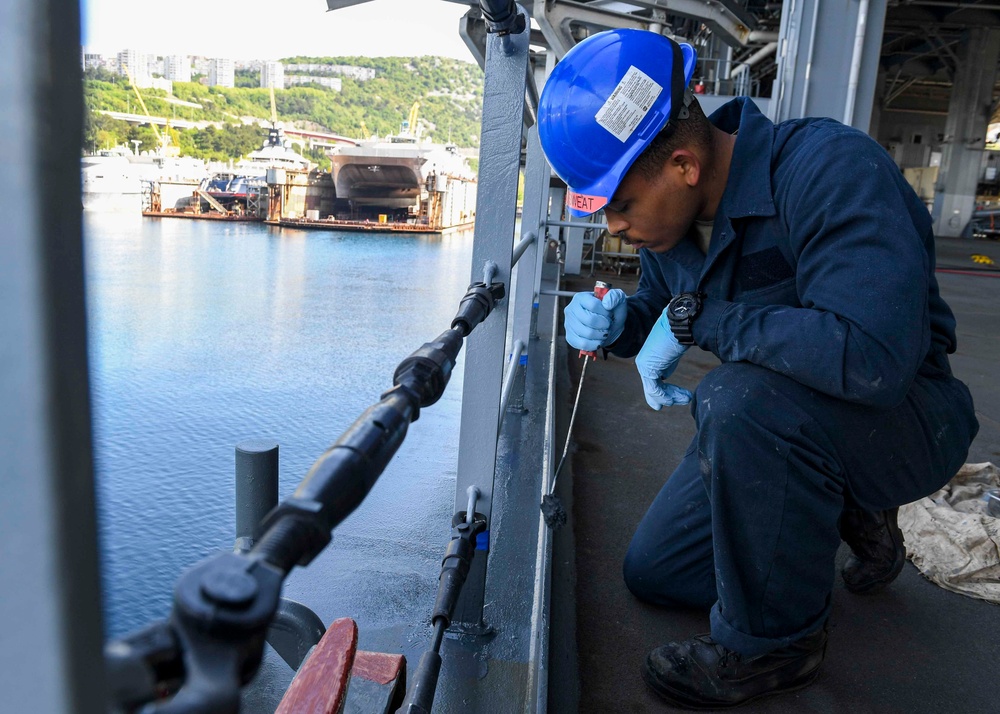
681 312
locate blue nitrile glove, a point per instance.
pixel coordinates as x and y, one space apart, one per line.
592 322
656 361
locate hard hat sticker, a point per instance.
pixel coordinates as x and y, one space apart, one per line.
629 103
584 203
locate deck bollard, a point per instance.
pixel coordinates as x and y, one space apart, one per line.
256 487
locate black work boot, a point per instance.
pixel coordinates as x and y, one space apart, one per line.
702 674
877 551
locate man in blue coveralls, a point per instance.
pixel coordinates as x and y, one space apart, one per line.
799 256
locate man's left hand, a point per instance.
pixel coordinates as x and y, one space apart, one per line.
656 361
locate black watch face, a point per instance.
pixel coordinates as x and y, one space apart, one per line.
683 306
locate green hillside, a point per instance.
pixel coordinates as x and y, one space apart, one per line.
449 93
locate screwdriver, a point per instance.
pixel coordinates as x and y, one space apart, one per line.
553 511
600 290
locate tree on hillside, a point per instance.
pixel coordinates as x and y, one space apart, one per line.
143 133
247 78
449 92
229 142
102 75
102 132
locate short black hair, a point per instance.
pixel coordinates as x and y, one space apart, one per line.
695 130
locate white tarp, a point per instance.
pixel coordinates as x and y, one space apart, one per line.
952 539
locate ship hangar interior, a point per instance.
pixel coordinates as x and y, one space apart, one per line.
920 77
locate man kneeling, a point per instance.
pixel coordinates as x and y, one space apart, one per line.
799 256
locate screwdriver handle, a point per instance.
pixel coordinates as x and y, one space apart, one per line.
600 290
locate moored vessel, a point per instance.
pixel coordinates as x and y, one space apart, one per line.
109 182
402 181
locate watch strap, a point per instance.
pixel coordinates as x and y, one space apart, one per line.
682 327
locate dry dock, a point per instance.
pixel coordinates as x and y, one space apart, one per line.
331 224
231 217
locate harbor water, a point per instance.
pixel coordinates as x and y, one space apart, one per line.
205 334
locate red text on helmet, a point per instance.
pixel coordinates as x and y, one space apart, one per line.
583 202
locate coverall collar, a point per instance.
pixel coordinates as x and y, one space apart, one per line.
748 187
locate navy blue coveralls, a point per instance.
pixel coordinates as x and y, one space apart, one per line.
835 389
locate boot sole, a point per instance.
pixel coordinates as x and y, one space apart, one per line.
672 698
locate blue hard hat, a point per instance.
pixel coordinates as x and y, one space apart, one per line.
603 104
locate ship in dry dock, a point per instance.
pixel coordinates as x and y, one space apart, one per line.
391 184
401 183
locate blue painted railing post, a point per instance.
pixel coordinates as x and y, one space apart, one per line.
499 165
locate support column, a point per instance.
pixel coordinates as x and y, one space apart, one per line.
965 132
828 60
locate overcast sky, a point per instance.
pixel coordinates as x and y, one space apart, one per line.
271 29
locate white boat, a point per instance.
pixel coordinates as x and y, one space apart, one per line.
116 179
176 178
109 182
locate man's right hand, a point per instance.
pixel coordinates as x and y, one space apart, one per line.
592 322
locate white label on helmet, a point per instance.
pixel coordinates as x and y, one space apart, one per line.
629 103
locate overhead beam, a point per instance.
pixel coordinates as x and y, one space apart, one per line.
555 17
942 15
729 21
554 21
944 48
897 91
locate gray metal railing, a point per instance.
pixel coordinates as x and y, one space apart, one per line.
506 68
495 363
497 358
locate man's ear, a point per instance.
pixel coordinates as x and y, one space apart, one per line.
687 166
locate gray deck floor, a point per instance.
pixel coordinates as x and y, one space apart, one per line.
912 648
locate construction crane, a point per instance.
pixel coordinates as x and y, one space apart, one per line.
159 138
275 135
411 123
364 130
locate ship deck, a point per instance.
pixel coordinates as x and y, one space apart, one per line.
914 647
